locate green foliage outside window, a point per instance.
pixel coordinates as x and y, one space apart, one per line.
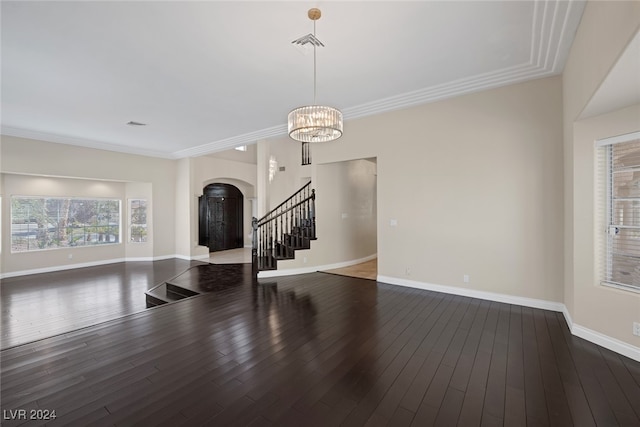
138 215
49 223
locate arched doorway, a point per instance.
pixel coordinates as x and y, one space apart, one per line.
220 217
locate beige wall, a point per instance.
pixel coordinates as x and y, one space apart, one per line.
475 185
346 212
497 185
23 185
487 201
604 32
186 210
288 155
598 308
171 188
83 167
209 170
346 206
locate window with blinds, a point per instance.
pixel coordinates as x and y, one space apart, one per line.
622 207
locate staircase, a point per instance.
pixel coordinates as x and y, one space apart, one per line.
291 226
201 279
167 292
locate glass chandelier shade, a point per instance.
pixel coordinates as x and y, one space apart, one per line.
315 123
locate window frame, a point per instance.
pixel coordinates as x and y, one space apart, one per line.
58 246
608 226
131 224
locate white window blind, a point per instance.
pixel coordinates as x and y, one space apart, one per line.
622 207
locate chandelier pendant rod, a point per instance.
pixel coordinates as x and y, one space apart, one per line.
314 123
314 65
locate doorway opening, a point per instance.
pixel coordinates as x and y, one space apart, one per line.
221 217
354 203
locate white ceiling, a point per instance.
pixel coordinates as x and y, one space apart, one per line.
208 76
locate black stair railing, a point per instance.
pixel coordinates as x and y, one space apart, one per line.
288 227
306 154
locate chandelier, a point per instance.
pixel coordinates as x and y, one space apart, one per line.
314 123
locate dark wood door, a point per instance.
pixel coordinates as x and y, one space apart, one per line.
221 217
223 223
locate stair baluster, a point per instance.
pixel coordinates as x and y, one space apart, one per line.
289 226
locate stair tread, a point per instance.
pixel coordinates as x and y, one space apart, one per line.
160 296
285 236
181 292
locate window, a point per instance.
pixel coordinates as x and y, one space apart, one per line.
39 223
621 233
137 220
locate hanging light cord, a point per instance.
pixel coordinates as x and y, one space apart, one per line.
314 64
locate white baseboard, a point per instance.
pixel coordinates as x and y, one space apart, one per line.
620 347
94 264
191 258
163 257
590 335
491 296
567 317
304 270
60 268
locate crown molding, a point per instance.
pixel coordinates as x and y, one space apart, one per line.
553 24
81 142
228 143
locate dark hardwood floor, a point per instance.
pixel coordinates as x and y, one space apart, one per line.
322 350
43 305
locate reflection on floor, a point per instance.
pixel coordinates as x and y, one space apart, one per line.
36 306
200 279
323 350
44 305
232 256
365 270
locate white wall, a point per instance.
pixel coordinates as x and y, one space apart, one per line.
604 32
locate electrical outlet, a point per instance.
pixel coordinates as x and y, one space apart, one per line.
70 256
304 260
636 328
465 278
407 271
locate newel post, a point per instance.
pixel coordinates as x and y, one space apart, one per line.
254 246
312 213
